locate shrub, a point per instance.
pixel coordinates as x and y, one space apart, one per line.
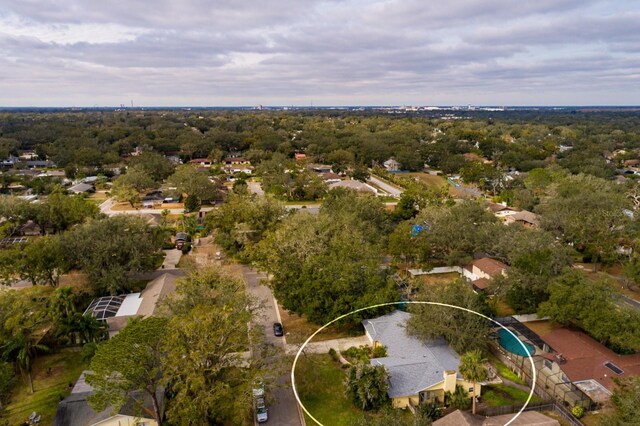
577 411
333 354
88 351
186 248
379 352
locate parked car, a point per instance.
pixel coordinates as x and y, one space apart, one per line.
262 414
181 239
277 329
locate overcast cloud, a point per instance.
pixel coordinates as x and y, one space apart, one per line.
325 52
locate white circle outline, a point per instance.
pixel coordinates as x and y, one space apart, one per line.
418 302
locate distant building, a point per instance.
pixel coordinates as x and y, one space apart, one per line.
81 188
355 184
391 165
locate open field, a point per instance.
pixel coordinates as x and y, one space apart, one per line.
428 179
52 376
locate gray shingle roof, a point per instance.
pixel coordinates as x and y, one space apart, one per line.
413 365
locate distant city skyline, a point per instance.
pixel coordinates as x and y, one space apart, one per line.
85 53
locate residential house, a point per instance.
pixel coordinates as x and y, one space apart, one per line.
356 185
586 362
202 162
527 418
320 168
330 178
9 161
40 164
81 188
117 310
75 410
235 161
525 218
420 372
237 165
30 229
481 271
299 156
391 165
501 210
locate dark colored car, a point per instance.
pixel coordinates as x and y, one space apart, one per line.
277 329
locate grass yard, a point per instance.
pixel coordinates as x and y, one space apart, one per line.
320 382
504 371
50 387
503 310
428 179
437 279
496 395
298 329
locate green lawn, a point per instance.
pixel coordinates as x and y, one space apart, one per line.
320 385
504 371
50 387
496 395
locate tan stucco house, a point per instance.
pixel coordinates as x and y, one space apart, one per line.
419 372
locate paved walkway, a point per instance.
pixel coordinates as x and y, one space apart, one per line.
323 347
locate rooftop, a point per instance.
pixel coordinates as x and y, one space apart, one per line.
492 267
586 357
413 365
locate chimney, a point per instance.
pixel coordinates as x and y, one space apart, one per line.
450 381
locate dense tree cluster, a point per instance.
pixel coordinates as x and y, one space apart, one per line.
194 353
327 264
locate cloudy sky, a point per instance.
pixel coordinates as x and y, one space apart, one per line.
325 52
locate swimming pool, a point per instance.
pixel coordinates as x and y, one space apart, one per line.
511 344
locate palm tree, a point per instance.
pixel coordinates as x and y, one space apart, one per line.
23 348
473 370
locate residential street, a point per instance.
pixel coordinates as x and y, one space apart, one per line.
284 410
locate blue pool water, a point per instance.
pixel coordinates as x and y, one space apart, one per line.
511 344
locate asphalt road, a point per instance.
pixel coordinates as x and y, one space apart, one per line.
284 408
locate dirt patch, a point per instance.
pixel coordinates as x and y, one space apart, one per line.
298 329
438 279
49 373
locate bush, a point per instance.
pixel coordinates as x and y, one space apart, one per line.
88 351
186 248
333 354
379 352
577 411
367 385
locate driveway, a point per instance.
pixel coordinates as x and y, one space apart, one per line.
284 410
171 259
256 188
322 347
392 190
